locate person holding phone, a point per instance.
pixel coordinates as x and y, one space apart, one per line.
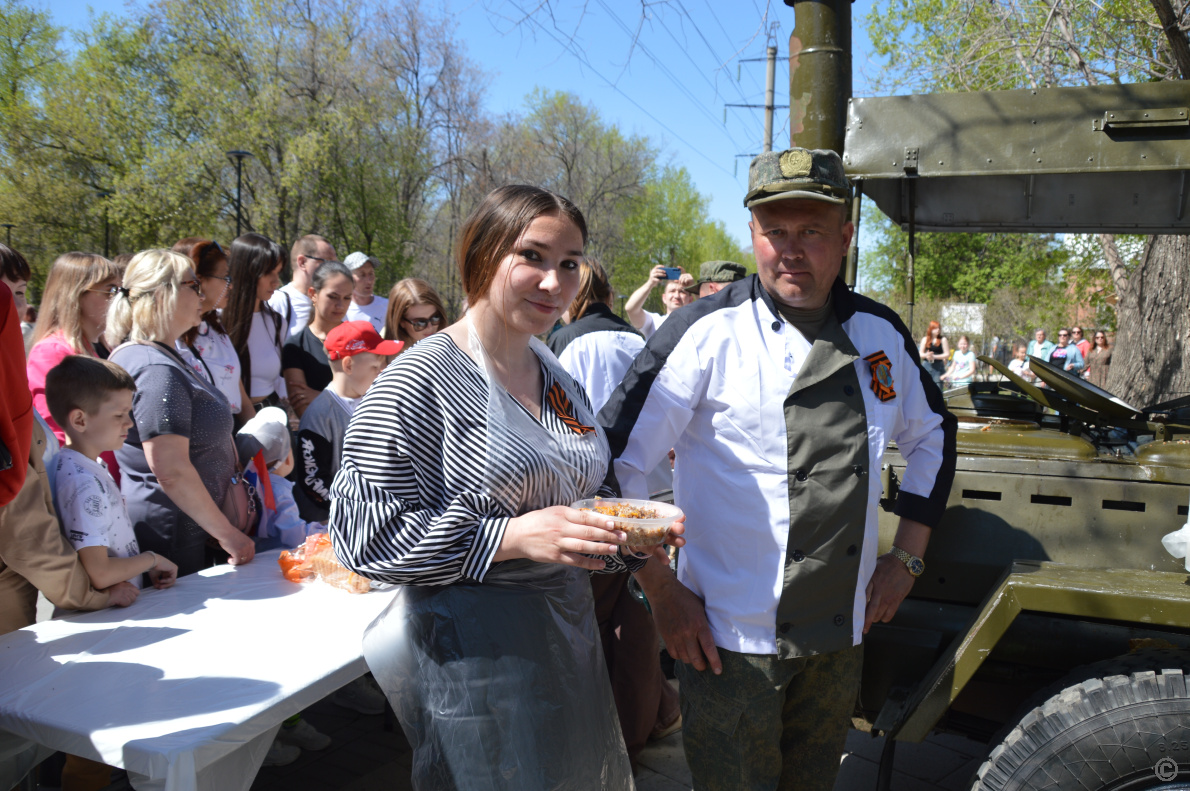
673 297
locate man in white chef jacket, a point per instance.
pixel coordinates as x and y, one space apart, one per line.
779 395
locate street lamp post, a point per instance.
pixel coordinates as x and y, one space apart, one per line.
105 194
238 156
8 232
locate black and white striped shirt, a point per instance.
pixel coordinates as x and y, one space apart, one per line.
409 503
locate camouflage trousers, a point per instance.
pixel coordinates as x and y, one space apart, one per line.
769 723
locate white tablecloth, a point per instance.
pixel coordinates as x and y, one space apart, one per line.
186 688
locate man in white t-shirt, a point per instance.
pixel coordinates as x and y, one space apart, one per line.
292 300
673 297
365 305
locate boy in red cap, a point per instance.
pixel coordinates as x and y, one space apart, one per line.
357 355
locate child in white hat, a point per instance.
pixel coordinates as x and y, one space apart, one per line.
267 455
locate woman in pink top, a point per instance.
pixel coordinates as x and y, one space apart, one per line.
72 317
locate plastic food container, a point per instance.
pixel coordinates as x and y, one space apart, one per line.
646 522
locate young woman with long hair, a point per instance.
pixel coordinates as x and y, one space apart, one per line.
415 311
935 352
1099 361
72 319
458 468
208 348
257 331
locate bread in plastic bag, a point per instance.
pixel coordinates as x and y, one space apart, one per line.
315 560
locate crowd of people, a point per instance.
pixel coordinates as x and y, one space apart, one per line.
153 388
1088 359
443 457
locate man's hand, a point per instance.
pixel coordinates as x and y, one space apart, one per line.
656 276
889 586
680 616
122 594
891 581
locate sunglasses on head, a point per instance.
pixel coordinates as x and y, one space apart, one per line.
421 324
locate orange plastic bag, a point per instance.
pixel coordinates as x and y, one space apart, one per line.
315 560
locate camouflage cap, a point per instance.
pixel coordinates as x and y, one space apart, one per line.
797 173
721 272
717 272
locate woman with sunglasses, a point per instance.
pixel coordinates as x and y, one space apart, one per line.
1099 360
415 311
73 315
178 460
208 348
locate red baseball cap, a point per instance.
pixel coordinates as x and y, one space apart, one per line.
352 337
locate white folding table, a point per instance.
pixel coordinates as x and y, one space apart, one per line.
186 688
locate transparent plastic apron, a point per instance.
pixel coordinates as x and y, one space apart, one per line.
502 685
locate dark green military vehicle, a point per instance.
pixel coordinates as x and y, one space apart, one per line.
1050 620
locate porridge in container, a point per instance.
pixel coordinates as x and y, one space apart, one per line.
646 522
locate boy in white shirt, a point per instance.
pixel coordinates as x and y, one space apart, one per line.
91 400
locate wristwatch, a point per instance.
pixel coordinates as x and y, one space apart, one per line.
914 564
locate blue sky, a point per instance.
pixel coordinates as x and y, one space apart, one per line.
662 69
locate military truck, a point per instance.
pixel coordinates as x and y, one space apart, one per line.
1050 621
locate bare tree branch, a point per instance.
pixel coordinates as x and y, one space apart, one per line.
1175 35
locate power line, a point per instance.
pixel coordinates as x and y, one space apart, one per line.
689 57
665 70
721 63
587 64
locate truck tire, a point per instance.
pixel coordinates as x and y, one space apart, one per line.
1124 731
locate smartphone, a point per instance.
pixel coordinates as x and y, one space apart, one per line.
672 272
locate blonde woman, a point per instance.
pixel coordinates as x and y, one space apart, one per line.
415 311
178 459
72 318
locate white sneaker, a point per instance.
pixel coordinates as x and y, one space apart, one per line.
305 736
281 754
360 696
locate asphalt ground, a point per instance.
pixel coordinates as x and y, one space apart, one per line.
363 756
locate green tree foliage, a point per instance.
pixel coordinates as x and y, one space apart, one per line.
939 45
352 112
667 224
363 118
963 267
965 45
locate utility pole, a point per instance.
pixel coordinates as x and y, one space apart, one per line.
769 94
238 156
770 79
